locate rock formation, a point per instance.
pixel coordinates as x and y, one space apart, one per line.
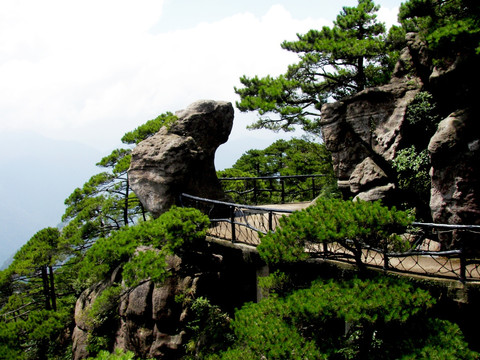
181 158
455 155
148 321
365 132
151 319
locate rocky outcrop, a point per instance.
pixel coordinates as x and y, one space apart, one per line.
455 156
363 133
180 158
151 319
83 322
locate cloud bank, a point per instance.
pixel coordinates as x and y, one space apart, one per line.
90 71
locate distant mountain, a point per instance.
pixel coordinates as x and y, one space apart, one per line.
37 176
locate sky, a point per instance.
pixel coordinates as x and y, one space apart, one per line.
76 75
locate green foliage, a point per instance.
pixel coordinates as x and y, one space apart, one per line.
331 220
107 254
423 110
148 264
182 227
40 250
412 163
413 171
293 157
118 161
333 63
33 316
104 306
275 283
209 328
449 27
179 227
118 354
149 128
40 329
422 118
380 318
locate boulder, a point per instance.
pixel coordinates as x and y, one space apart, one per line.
455 173
180 158
151 319
364 133
83 323
366 173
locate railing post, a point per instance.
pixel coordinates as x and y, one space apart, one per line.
283 190
385 256
325 249
232 221
270 220
463 262
255 190
272 189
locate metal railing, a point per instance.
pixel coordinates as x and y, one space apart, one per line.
243 223
236 222
272 189
425 256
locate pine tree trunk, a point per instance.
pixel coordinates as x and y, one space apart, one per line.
125 208
361 80
46 288
53 296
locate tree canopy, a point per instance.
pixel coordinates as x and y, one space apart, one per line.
334 62
284 157
353 319
449 27
39 289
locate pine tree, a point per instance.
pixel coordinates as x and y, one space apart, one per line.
334 62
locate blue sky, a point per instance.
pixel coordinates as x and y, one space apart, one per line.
76 75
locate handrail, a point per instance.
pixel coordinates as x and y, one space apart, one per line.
447 226
272 177
250 207
242 223
236 222
293 186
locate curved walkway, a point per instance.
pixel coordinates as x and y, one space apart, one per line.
246 222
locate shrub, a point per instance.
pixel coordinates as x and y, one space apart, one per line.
353 224
380 318
413 171
209 328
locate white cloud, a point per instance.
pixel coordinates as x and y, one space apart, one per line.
388 15
91 70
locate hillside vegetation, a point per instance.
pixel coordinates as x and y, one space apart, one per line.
110 239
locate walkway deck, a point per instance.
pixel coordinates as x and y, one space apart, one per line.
426 259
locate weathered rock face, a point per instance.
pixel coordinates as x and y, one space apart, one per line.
83 324
181 158
151 319
148 318
363 133
455 155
